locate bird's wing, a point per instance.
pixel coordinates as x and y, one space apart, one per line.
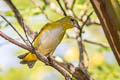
36 43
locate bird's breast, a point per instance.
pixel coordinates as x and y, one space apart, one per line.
50 39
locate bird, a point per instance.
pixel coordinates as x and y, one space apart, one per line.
48 39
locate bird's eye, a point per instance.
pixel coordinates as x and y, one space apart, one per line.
72 20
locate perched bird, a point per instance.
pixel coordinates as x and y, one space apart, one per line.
48 39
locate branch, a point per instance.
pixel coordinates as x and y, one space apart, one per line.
20 19
58 1
90 42
73 4
46 2
108 14
52 6
13 41
80 43
78 73
33 1
81 51
53 64
66 4
14 29
94 22
84 23
72 7
39 55
96 43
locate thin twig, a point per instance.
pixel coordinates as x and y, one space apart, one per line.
90 23
78 73
20 18
24 29
73 4
96 43
14 28
67 8
66 4
13 41
90 42
84 13
80 43
86 20
87 58
33 1
72 7
21 22
58 1
46 2
81 50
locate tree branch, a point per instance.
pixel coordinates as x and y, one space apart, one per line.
84 23
20 19
96 43
78 73
13 41
90 42
108 14
58 1
80 43
72 7
14 29
39 55
33 1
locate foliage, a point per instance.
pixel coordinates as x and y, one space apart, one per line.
106 72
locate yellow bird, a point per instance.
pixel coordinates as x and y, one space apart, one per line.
49 38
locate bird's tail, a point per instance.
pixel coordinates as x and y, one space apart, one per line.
28 58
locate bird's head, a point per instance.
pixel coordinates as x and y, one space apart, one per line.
69 22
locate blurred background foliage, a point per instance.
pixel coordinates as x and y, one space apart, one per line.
102 64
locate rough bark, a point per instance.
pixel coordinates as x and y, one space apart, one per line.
108 13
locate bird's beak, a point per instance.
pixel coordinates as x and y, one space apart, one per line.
77 25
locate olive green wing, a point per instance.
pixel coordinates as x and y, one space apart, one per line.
36 42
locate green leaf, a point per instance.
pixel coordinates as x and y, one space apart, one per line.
9 13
